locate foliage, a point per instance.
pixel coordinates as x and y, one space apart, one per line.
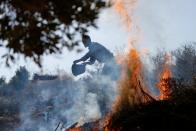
185 64
36 27
2 82
20 80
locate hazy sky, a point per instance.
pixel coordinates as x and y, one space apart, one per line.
161 24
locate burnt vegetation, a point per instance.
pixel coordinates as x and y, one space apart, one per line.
176 113
172 114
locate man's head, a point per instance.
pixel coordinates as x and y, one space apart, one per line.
86 40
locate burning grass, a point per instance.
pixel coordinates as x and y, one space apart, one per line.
133 96
175 113
132 87
134 109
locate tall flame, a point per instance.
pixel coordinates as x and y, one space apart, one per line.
124 11
165 75
132 87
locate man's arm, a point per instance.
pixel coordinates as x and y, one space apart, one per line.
84 58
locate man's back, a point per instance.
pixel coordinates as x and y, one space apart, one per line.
99 52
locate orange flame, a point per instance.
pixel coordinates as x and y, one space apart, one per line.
165 75
132 88
120 8
124 8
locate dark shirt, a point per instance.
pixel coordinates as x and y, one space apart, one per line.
97 52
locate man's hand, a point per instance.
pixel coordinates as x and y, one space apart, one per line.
89 63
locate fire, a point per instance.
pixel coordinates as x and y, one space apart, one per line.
133 65
165 75
75 129
132 87
124 8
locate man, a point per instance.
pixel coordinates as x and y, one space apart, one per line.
101 54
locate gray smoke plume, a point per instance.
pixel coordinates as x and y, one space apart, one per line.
46 104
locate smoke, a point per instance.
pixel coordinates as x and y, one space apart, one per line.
44 104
